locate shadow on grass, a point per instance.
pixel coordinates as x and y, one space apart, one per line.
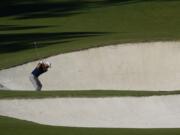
31 9
21 9
16 27
19 42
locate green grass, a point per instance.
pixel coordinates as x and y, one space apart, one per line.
61 26
89 93
11 126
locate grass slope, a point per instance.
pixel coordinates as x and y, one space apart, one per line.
93 93
11 126
61 26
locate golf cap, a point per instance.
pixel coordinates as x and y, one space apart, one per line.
48 63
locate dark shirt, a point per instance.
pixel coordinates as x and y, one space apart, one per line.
38 71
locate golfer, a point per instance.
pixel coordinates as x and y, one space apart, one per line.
41 68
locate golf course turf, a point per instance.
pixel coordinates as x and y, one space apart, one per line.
4 94
60 26
11 126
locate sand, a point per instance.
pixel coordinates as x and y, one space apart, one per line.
139 66
117 112
2 87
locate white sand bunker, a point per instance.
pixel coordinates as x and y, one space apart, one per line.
143 66
145 112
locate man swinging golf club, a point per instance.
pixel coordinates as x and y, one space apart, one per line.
41 68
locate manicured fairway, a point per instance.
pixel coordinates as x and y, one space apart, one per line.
61 26
10 126
93 93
